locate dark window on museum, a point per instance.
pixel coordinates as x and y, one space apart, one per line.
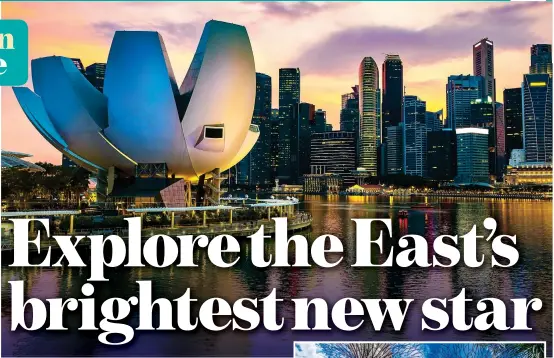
211 132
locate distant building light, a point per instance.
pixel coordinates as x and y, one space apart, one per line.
537 84
472 131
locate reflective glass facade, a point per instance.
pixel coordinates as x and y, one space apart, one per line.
537 117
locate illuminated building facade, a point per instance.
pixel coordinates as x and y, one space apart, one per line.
529 174
415 136
274 142
370 99
289 97
537 117
255 168
334 152
483 116
95 74
513 120
541 59
441 155
300 147
395 150
483 65
472 148
460 91
326 183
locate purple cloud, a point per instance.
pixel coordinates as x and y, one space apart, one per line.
509 27
174 32
293 10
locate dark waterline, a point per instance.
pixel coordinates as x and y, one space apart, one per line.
531 277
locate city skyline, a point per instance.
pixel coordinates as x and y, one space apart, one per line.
328 62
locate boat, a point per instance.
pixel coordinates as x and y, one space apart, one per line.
403 214
422 206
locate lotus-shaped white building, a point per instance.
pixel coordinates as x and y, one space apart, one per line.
142 116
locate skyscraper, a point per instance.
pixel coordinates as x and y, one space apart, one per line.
393 92
334 153
513 119
319 122
483 116
350 116
472 155
352 95
78 64
68 163
95 74
274 142
394 149
369 136
500 129
255 168
289 97
483 65
541 59
441 154
537 117
300 146
460 91
433 121
415 136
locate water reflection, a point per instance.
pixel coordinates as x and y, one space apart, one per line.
531 277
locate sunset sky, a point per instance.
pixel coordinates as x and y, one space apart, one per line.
325 40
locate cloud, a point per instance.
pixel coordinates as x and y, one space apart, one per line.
293 10
510 26
175 32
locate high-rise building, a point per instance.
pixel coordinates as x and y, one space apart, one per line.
483 116
415 136
472 155
320 122
334 153
289 97
500 129
394 150
541 59
393 92
304 114
274 142
369 136
328 127
350 116
460 91
513 119
352 95
255 168
483 65
78 64
95 74
433 121
537 117
441 155
68 163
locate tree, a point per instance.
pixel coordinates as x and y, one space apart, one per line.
519 350
53 183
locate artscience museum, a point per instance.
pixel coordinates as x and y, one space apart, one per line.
143 125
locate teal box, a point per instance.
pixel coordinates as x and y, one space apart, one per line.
14 52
